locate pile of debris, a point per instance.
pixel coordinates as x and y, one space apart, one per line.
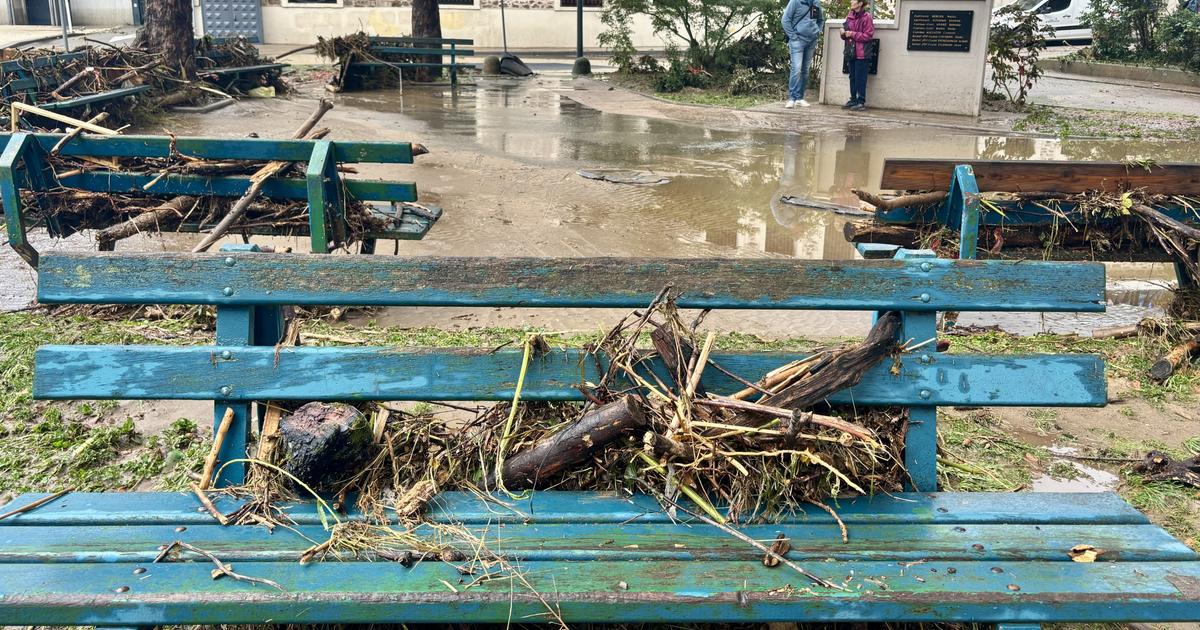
114 216
51 77
763 452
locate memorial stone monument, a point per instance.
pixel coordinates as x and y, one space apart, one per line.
931 58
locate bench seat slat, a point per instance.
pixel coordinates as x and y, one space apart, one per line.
679 591
242 69
224 148
413 50
276 188
305 279
619 542
383 373
98 97
954 508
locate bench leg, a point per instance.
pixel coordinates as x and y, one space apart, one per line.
367 246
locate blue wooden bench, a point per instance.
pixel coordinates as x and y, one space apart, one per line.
21 82
924 555
24 166
976 222
394 53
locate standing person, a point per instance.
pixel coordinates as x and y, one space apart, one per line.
802 23
858 30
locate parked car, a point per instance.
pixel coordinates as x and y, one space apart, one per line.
1064 16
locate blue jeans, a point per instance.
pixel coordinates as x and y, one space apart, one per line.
858 80
802 54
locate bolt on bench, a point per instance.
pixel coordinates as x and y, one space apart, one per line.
924 555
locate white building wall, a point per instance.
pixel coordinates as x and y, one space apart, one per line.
101 12
527 28
939 82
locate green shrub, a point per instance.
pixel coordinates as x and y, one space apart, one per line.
618 37
1179 39
1124 30
1016 41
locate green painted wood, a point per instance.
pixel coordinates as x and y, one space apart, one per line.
222 72
89 99
405 50
678 591
235 325
947 508
614 542
275 188
384 373
225 148
318 200
302 279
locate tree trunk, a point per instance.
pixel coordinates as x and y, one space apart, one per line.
168 30
426 22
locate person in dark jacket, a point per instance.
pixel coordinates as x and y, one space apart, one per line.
802 23
857 31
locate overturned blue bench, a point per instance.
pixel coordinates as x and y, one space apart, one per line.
963 212
24 166
922 555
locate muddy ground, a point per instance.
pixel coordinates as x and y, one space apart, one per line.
503 165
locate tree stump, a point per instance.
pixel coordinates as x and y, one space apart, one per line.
324 443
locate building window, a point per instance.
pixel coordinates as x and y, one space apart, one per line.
587 4
310 3
456 3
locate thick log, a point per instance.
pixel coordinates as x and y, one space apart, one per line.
871 232
166 215
323 441
1165 222
675 358
1178 356
902 201
845 369
541 465
1043 176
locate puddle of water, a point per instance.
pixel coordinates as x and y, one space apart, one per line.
1086 478
504 158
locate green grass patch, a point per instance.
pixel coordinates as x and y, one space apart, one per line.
1068 122
978 455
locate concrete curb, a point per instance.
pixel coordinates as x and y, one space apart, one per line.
1122 71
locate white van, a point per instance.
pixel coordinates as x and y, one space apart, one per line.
1064 16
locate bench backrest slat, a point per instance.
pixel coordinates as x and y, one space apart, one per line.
104 181
1043 176
224 148
303 279
312 373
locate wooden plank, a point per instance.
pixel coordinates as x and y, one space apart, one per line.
639 591
1043 176
226 148
275 188
617 542
952 508
299 279
385 373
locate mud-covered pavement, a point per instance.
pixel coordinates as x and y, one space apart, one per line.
504 160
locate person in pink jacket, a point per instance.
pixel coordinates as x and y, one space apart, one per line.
857 31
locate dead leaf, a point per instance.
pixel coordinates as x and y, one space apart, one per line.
1084 553
780 548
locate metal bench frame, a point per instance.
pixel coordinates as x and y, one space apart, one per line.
930 556
23 84
24 166
382 47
